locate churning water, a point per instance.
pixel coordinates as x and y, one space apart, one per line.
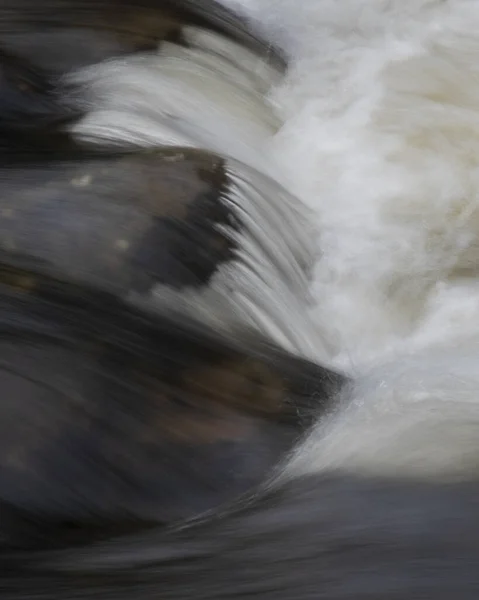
380 137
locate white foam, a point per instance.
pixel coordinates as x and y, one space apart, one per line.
413 417
380 137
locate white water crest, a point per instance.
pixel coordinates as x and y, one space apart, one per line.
210 94
266 284
213 95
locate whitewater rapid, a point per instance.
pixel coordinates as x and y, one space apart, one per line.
380 137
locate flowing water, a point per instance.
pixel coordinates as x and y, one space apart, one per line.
376 130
